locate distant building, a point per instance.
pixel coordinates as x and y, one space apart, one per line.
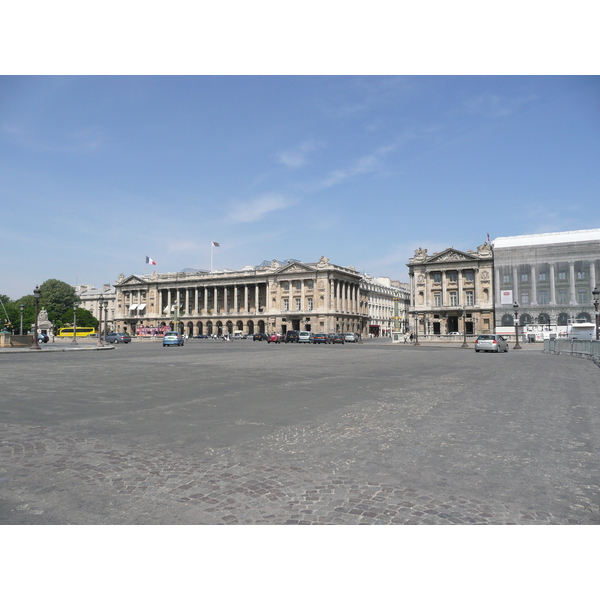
272 297
384 297
451 292
89 298
550 276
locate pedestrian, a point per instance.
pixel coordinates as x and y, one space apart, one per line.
411 337
405 338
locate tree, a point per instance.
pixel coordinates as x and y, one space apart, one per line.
84 318
57 297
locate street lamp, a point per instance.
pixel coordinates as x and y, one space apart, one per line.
36 299
74 342
105 317
417 330
22 307
517 346
596 295
464 344
100 343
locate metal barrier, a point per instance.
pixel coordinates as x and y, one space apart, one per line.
583 348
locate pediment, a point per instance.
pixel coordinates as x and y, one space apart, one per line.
295 267
449 255
132 280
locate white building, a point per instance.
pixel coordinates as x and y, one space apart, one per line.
90 296
386 300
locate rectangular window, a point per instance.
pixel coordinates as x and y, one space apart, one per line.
582 296
437 299
286 304
298 285
469 297
562 296
311 285
525 297
298 304
286 285
437 277
469 275
562 275
453 276
580 275
506 279
453 299
543 299
542 276
524 277
310 303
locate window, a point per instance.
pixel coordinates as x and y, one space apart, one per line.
298 304
469 295
437 277
562 296
453 276
506 279
524 277
286 285
453 299
580 275
469 275
543 297
298 285
286 304
562 275
437 299
311 285
310 303
542 276
525 297
582 296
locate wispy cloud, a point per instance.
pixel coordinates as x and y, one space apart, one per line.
297 157
255 210
494 105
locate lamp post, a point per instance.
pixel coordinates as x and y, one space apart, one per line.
517 346
464 344
22 307
417 330
100 343
596 295
36 299
74 342
105 317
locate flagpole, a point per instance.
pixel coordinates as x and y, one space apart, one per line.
211 257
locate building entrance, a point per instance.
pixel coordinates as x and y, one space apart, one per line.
452 324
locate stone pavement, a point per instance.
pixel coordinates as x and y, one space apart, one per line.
359 434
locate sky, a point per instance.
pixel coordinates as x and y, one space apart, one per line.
98 172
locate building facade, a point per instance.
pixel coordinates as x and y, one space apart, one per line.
550 276
387 303
90 297
451 292
273 297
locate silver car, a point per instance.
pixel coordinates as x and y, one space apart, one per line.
491 342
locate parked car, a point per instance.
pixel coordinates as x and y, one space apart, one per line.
275 337
291 336
115 337
173 338
337 338
491 342
320 338
351 337
260 337
305 336
42 337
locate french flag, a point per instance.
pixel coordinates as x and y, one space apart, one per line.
149 261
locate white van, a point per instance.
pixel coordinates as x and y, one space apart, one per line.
305 336
581 331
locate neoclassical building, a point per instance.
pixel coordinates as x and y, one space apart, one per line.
550 276
451 292
387 301
90 298
272 297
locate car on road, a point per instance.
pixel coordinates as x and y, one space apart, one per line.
351 337
275 338
320 338
116 337
491 342
42 337
291 336
337 338
259 337
305 337
173 338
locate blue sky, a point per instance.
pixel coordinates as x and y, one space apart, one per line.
98 172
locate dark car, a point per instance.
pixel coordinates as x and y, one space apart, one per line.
337 338
291 336
116 337
259 337
42 337
319 338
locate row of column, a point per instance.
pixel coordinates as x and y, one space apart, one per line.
345 296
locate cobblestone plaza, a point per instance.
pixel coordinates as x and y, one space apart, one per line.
250 433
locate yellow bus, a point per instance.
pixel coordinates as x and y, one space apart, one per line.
81 331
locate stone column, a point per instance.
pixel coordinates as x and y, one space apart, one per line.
573 300
205 299
215 300
516 286
533 286
196 300
592 277
169 302
236 308
552 284
256 298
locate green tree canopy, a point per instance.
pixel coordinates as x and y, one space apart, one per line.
84 318
57 297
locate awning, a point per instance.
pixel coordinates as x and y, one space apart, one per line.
133 307
166 309
141 307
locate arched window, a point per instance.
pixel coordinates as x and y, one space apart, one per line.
543 319
584 317
562 319
525 319
507 320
